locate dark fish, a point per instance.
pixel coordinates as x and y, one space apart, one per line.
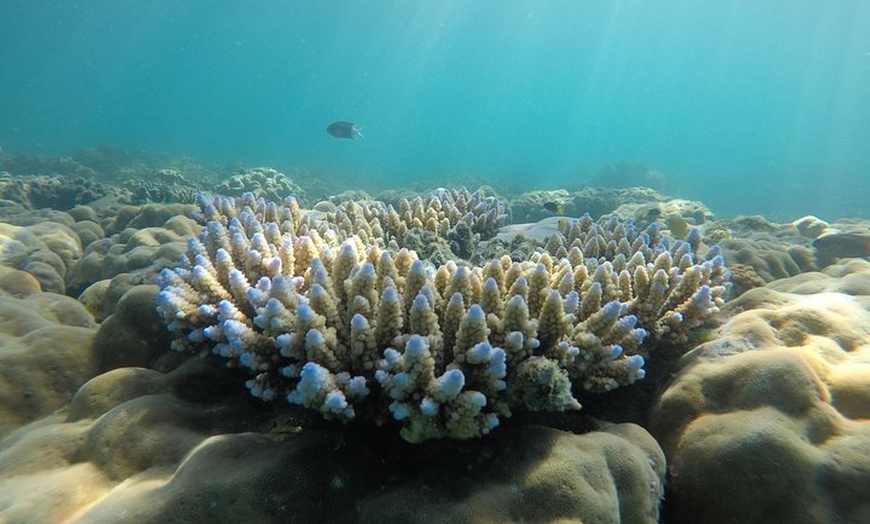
555 208
342 129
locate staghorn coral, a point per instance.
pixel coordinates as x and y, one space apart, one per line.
333 322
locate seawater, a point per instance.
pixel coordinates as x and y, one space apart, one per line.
750 106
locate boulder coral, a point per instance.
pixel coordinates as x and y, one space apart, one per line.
139 446
769 422
264 182
139 252
46 250
45 349
449 213
332 321
773 251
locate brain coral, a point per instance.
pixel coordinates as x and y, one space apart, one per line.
333 322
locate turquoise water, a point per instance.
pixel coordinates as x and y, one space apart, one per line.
752 106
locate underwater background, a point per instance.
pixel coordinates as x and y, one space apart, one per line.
427 262
752 107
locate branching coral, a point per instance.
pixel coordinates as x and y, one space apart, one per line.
331 321
457 215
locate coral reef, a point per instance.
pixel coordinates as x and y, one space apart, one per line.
108 164
743 278
324 317
770 422
46 250
371 326
26 165
773 251
163 185
678 216
810 226
70 251
55 191
529 206
140 446
653 269
460 217
595 201
45 350
133 334
140 251
849 276
844 239
264 182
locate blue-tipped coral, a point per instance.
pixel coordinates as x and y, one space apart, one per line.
456 214
330 321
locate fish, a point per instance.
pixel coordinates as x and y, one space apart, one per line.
555 208
342 129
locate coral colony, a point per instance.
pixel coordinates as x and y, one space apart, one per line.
329 312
